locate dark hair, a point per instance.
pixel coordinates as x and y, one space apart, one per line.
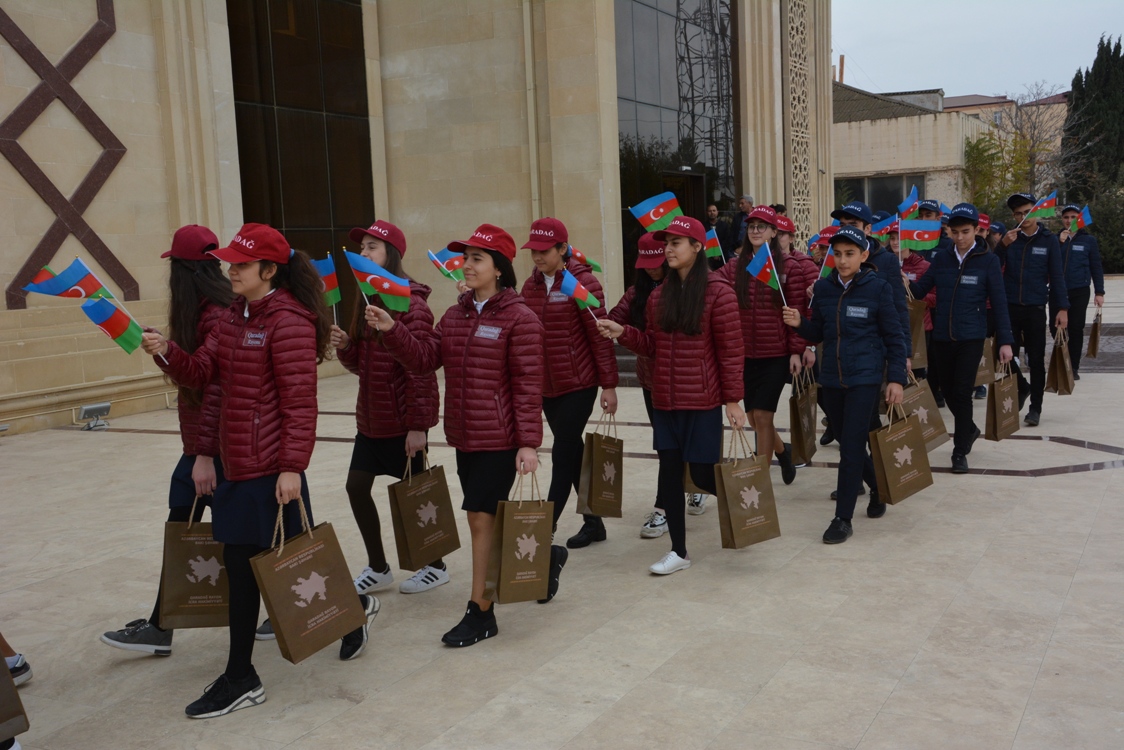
741 275
191 282
507 278
683 300
645 285
358 327
779 208
303 282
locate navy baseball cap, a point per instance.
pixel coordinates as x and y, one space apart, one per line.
880 216
998 226
1070 207
851 234
1019 199
928 205
964 212
855 210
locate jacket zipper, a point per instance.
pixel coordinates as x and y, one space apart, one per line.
464 365
952 299
839 333
1022 267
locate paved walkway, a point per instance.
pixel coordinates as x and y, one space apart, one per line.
985 612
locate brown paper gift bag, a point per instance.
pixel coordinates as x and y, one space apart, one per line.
802 418
918 400
194 588
1059 375
1094 347
519 560
920 354
747 510
1002 406
901 463
307 589
985 373
601 486
13 717
425 526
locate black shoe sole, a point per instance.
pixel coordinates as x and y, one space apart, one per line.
576 542
837 541
254 697
138 648
1031 422
490 632
958 470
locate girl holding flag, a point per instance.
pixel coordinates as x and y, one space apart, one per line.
696 352
491 347
772 349
578 360
394 411
263 353
200 296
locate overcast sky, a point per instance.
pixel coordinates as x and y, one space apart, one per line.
986 47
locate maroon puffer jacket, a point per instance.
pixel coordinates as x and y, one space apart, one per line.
763 330
266 368
800 274
694 373
622 314
391 400
493 364
199 425
577 356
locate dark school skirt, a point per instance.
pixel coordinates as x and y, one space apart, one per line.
181 493
486 478
245 512
764 380
697 434
383 456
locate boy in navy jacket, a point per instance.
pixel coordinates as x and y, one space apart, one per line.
855 316
1081 263
966 278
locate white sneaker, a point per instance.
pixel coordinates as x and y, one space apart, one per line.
425 579
370 580
669 564
265 632
696 503
655 526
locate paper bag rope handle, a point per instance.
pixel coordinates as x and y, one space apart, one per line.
279 527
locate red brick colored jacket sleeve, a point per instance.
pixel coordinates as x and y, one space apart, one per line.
207 436
725 328
417 354
422 397
603 357
190 370
525 363
622 312
798 276
349 356
293 355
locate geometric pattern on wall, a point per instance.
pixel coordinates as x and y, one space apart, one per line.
797 97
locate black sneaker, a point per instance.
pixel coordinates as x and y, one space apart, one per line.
835 494
940 400
838 532
971 442
20 671
959 463
225 695
1032 418
828 436
593 530
474 627
558 557
1076 375
141 636
875 508
788 470
980 392
1024 393
352 644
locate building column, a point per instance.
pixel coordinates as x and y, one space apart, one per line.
763 165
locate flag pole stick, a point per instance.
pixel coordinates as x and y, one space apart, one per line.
591 314
336 315
120 304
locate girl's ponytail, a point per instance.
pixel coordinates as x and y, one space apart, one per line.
303 282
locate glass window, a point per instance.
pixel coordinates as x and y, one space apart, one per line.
849 190
646 53
626 77
884 193
911 180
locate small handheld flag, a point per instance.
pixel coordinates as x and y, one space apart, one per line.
881 230
580 257
945 210
657 212
713 247
920 235
1044 208
450 264
909 208
116 324
761 267
573 288
76 280
374 279
828 263
327 270
1082 221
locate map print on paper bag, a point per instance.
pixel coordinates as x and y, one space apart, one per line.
202 570
609 473
527 545
750 498
428 514
310 588
903 456
922 414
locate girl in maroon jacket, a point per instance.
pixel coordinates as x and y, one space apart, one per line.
264 354
394 411
491 346
199 297
695 345
804 270
772 350
578 359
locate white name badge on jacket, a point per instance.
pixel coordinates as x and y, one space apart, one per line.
973 280
558 297
1037 250
854 311
253 338
488 332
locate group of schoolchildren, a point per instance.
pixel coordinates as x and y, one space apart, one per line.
712 346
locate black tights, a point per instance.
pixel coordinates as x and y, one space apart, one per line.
567 416
175 515
671 494
245 603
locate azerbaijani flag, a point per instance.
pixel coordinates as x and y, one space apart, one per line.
1044 208
573 288
945 210
374 279
77 280
657 212
579 256
713 247
828 263
882 229
1082 221
450 264
762 268
114 322
908 209
920 235
327 270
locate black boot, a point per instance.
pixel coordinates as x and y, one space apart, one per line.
593 530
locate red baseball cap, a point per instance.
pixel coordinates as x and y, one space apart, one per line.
785 224
826 234
682 226
488 237
765 214
985 221
649 252
381 230
192 243
255 242
546 233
